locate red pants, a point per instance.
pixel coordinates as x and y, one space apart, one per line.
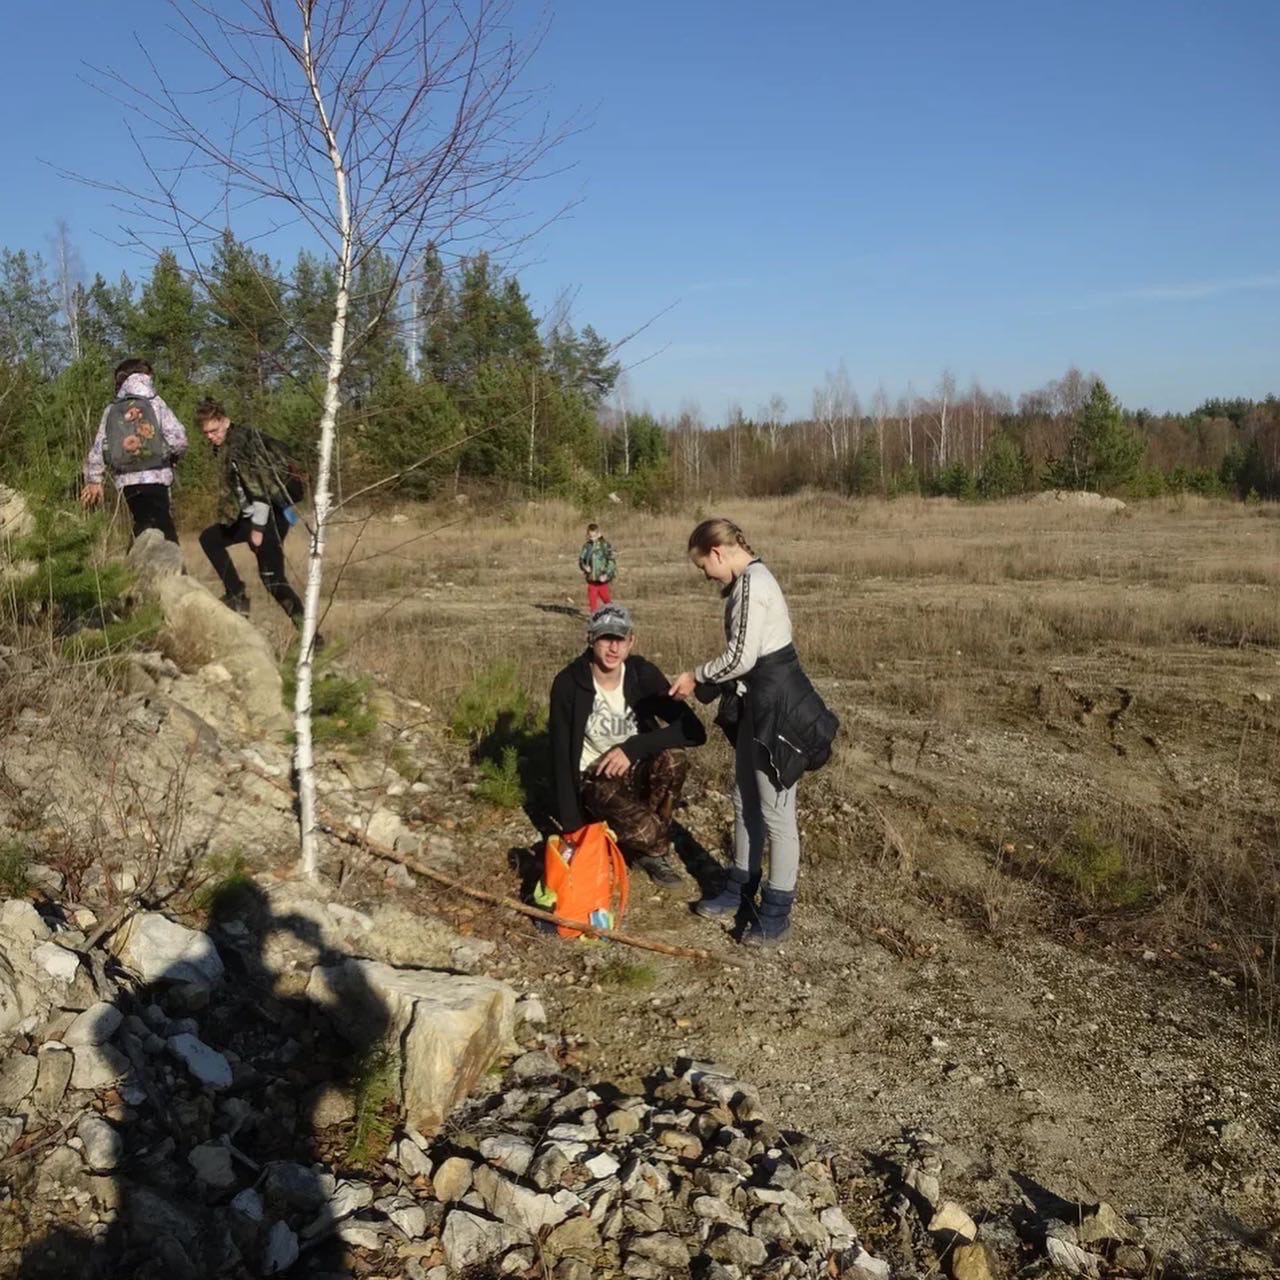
597 594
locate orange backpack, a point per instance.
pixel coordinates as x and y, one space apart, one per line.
584 878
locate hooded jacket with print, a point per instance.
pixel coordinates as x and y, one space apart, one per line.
175 436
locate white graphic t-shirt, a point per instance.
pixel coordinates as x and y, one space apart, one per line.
609 725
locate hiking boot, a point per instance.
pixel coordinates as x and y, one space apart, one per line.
771 920
659 870
728 901
237 602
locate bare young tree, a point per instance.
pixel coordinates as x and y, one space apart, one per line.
908 415
690 432
623 392
772 415
940 413
837 412
735 424
376 126
69 276
880 415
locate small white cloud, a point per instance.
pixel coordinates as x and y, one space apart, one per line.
1188 292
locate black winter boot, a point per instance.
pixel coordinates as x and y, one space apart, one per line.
237 602
772 918
728 901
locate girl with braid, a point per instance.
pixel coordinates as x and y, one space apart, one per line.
777 722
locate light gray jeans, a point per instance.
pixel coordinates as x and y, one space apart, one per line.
762 812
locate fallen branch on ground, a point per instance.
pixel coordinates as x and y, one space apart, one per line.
353 836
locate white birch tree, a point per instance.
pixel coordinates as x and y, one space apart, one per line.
372 125
940 415
70 275
773 414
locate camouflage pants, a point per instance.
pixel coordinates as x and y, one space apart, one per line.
638 805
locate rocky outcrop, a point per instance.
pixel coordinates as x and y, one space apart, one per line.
239 674
186 1110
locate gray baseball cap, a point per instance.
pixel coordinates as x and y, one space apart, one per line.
610 620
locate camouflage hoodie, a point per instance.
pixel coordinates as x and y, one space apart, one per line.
596 560
253 476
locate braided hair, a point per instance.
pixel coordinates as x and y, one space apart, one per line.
717 532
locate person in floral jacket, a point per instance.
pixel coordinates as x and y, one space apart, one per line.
139 439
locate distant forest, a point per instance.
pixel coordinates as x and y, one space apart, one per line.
460 383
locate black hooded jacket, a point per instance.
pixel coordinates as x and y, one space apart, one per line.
788 717
662 723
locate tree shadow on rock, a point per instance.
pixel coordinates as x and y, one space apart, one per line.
235 1100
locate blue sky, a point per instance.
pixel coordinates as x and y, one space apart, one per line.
1001 189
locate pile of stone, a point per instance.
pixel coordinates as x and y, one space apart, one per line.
203 1115
206 1118
554 1178
214 1103
1081 499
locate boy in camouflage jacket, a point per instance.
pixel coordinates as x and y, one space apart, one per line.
254 507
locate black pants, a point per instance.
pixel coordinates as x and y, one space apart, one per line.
270 556
150 508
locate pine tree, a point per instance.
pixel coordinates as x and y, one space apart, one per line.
378 348
1104 450
581 363
410 421
309 307
471 342
29 329
515 331
1004 469
435 317
166 325
104 312
246 344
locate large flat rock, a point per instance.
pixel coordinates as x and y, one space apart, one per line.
448 1027
159 949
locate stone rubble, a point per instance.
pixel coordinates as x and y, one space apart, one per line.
945 1236
148 1115
549 1176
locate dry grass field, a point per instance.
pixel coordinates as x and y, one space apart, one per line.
1034 694
1039 904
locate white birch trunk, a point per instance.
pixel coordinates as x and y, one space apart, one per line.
533 425
304 757
626 439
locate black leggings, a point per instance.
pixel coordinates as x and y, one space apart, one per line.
270 556
150 508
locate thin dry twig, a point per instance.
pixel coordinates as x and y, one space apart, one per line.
352 836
